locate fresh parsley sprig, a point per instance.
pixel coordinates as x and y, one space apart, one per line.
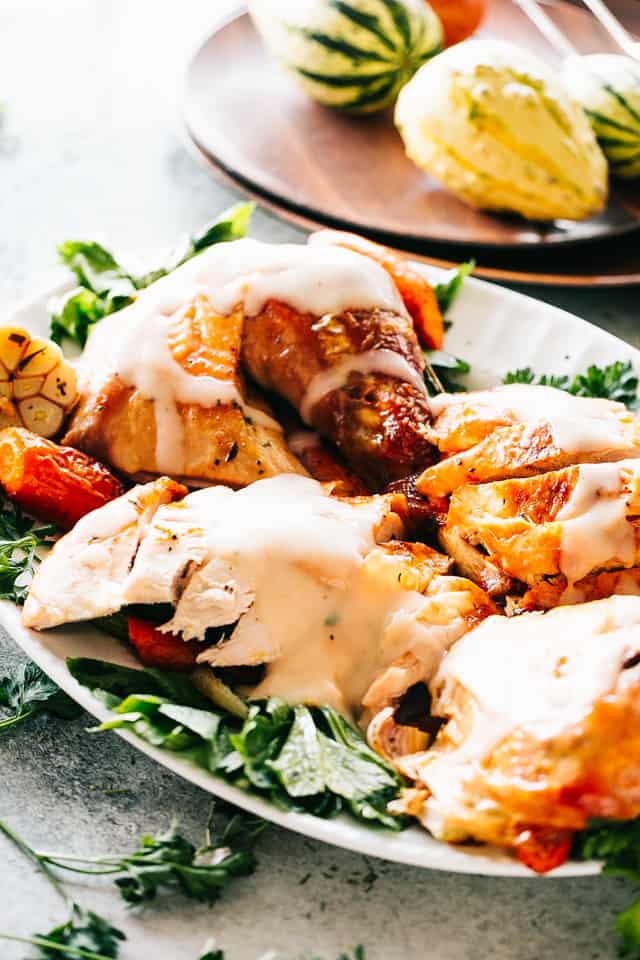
21 537
105 286
617 381
83 935
167 863
28 691
170 863
447 292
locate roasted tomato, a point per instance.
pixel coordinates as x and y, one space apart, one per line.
164 650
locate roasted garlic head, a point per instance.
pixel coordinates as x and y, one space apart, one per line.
37 385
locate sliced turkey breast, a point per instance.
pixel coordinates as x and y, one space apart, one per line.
318 589
542 729
520 431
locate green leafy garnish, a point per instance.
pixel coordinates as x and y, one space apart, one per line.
304 759
526 375
616 381
20 539
211 952
447 292
447 367
105 286
170 863
29 691
83 934
617 843
167 863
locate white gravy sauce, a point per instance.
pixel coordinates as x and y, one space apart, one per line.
300 573
595 529
371 361
578 424
132 343
541 672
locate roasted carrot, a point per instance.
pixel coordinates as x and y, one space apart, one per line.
163 650
415 290
543 848
55 483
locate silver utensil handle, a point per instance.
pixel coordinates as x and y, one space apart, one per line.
614 28
547 27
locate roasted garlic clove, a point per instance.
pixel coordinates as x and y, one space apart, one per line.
37 385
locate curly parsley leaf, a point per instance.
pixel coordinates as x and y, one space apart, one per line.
211 952
83 935
617 844
105 286
169 862
304 759
29 691
526 375
447 292
20 539
76 312
617 381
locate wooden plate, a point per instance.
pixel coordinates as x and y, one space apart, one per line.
251 120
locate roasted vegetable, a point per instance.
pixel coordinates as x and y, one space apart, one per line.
37 385
353 56
55 483
164 650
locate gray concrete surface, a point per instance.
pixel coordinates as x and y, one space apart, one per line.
90 145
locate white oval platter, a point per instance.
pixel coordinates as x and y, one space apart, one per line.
495 330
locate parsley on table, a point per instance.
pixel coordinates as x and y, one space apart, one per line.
167 863
83 935
28 691
616 381
105 286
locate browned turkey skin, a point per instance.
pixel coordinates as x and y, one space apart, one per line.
379 423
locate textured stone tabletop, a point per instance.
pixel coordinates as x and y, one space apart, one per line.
91 146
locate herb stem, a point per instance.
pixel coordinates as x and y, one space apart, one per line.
63 865
16 718
41 865
59 947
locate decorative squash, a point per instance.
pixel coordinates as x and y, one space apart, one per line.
608 87
355 55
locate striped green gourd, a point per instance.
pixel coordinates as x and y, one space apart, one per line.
355 55
608 87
